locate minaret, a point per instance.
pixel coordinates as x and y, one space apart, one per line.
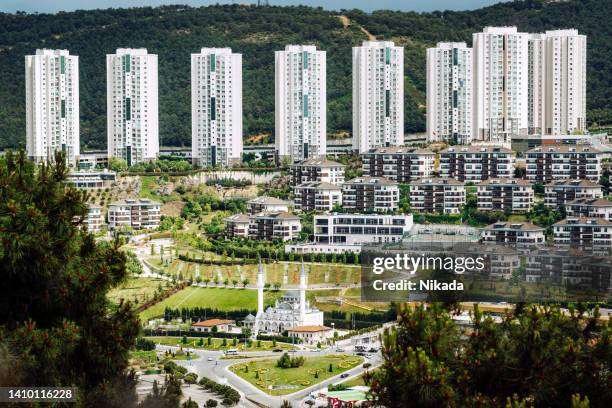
303 286
260 289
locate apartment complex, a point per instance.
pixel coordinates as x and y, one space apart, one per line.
136 213
505 195
557 82
237 226
449 93
216 107
500 84
266 204
378 95
591 234
94 219
317 196
52 105
301 104
476 163
370 194
590 208
94 179
132 105
519 234
559 193
398 163
356 229
276 225
563 162
439 195
316 169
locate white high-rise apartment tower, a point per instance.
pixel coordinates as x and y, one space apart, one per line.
449 93
565 74
52 105
557 82
378 95
500 84
131 102
301 106
216 107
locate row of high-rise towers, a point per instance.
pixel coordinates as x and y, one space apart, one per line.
52 103
508 85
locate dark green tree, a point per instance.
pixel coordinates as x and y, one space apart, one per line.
54 313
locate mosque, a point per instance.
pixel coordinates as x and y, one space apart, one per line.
292 310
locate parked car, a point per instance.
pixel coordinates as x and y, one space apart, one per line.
344 375
360 353
210 359
373 350
277 350
339 350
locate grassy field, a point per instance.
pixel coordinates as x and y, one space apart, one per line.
263 373
217 344
135 290
215 298
283 272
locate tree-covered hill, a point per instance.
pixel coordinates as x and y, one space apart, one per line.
174 32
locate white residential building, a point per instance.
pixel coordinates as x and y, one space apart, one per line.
317 196
370 194
94 220
536 93
352 229
590 208
476 163
563 162
265 203
449 93
237 226
505 195
441 195
52 105
277 225
584 233
560 192
378 95
316 169
132 105
216 107
137 213
500 84
301 105
519 234
398 163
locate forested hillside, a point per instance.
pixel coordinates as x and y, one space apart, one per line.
173 32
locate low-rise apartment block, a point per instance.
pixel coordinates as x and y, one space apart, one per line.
519 234
441 195
398 163
317 196
590 208
351 229
370 194
94 219
237 226
266 204
563 162
316 169
559 193
137 213
591 234
91 179
271 226
506 195
476 163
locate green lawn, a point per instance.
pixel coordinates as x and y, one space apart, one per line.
269 374
217 344
136 290
147 186
215 298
